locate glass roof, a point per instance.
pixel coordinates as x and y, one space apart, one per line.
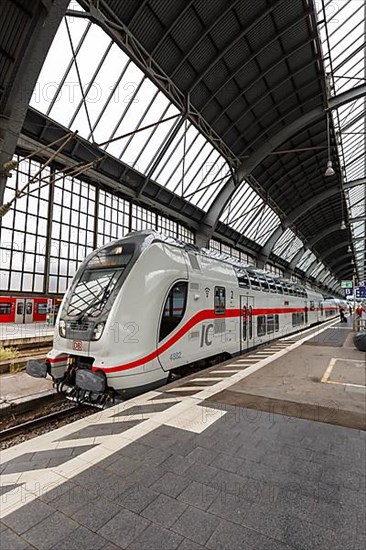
90 85
307 259
342 31
325 275
248 214
104 96
317 269
287 245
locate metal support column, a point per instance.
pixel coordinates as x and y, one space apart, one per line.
13 109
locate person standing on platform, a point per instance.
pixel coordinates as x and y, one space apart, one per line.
350 309
342 315
359 311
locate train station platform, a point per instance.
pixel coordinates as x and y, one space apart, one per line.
20 392
205 462
15 333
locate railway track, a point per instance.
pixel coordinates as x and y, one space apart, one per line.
26 429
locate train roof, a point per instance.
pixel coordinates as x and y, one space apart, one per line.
155 236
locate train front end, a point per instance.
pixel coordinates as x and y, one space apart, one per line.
86 329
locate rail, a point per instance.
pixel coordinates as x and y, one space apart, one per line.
40 421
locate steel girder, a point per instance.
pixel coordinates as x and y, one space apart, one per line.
249 164
321 234
46 20
338 246
303 209
348 269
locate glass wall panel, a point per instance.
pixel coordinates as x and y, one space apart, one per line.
113 217
72 235
24 230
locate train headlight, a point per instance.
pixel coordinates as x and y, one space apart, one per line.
62 328
98 331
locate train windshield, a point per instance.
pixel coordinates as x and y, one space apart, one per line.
100 277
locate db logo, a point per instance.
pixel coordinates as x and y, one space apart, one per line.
77 345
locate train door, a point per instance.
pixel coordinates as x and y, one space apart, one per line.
28 314
306 311
246 322
19 310
24 310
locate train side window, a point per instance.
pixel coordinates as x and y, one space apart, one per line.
277 322
254 281
272 286
312 305
20 308
290 290
297 319
174 309
270 324
220 300
264 283
261 325
243 278
279 287
5 308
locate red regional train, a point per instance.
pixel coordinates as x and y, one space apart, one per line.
15 309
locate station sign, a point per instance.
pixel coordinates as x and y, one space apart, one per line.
346 284
349 291
360 292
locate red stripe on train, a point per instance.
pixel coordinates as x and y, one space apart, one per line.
58 359
203 315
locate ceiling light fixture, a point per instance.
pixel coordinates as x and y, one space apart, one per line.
329 171
349 249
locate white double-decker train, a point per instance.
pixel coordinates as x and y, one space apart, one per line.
143 306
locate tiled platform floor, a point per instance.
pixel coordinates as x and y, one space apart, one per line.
251 481
168 471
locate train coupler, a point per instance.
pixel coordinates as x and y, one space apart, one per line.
38 369
86 388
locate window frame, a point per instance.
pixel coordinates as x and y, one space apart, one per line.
7 308
163 334
219 309
277 322
261 323
270 323
253 276
242 272
272 284
263 282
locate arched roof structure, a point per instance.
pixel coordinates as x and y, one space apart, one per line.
229 114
